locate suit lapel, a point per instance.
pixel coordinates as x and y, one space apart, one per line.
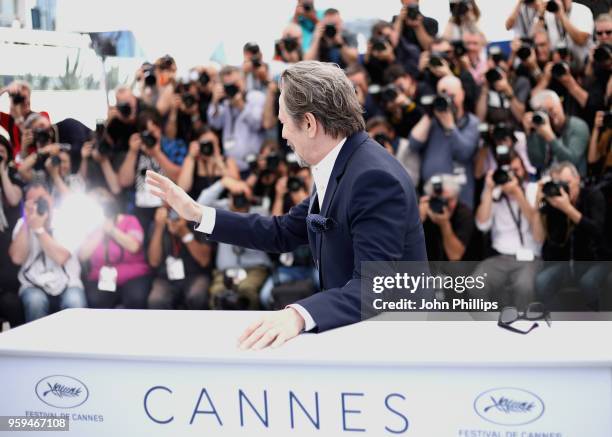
344 156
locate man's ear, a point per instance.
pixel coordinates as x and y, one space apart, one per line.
311 125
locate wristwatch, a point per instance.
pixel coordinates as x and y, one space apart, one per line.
187 238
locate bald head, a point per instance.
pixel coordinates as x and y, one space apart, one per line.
451 85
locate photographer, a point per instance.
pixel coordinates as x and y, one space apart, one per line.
163 92
474 43
508 210
414 29
182 260
204 164
358 75
265 169
600 146
447 139
464 14
572 221
149 151
448 224
96 168
239 114
288 49
11 193
43 247
331 42
306 17
118 274
502 99
444 60
524 17
240 272
122 119
294 267
253 67
400 99
19 110
380 53
553 137
184 114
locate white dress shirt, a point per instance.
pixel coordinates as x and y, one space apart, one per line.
321 174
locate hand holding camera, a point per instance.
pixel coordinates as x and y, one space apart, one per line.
37 212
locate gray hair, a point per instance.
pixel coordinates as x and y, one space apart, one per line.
323 90
539 98
449 183
603 18
558 167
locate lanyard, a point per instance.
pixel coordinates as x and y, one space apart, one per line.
526 21
516 219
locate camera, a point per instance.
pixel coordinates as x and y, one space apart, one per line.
103 147
562 49
148 139
42 206
295 184
125 109
553 188
442 103
436 58
382 139
485 133
55 161
552 7
231 90
412 12
330 30
206 148
204 78
539 118
388 93
42 137
290 44
602 53
272 162
496 53
501 175
17 98
188 99
307 7
148 74
458 8
240 201
525 48
458 47
493 75
501 131
379 44
256 61
560 69
437 202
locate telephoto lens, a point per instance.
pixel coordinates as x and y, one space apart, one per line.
148 139
552 7
493 75
539 118
125 109
413 12
442 103
206 148
560 69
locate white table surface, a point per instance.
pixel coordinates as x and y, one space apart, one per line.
211 336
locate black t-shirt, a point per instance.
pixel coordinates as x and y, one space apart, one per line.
581 242
462 223
409 35
75 133
8 271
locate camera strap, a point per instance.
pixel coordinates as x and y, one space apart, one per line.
526 20
107 260
517 219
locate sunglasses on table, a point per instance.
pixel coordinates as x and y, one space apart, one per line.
535 311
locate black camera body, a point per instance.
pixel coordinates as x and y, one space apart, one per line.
458 47
458 8
553 188
17 98
496 53
379 44
539 118
330 30
552 7
559 69
525 48
231 90
148 74
494 75
272 162
437 202
413 12
240 201
290 44
251 160
295 184
382 139
125 109
602 53
206 148
442 103
148 139
502 174
188 99
42 137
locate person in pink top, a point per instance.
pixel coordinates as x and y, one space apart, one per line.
119 275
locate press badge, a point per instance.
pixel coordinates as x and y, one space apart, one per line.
108 279
524 255
175 268
47 278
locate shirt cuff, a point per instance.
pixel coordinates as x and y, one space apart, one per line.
207 223
309 323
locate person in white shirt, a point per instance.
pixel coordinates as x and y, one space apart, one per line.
509 211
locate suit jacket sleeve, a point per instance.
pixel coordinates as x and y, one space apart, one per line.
277 234
382 213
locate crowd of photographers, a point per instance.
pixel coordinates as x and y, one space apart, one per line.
509 148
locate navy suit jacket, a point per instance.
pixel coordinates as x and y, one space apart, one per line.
373 202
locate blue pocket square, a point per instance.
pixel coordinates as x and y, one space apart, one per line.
319 224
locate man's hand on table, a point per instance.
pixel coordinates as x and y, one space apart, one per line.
273 330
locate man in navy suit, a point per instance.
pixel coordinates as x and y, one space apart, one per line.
363 206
